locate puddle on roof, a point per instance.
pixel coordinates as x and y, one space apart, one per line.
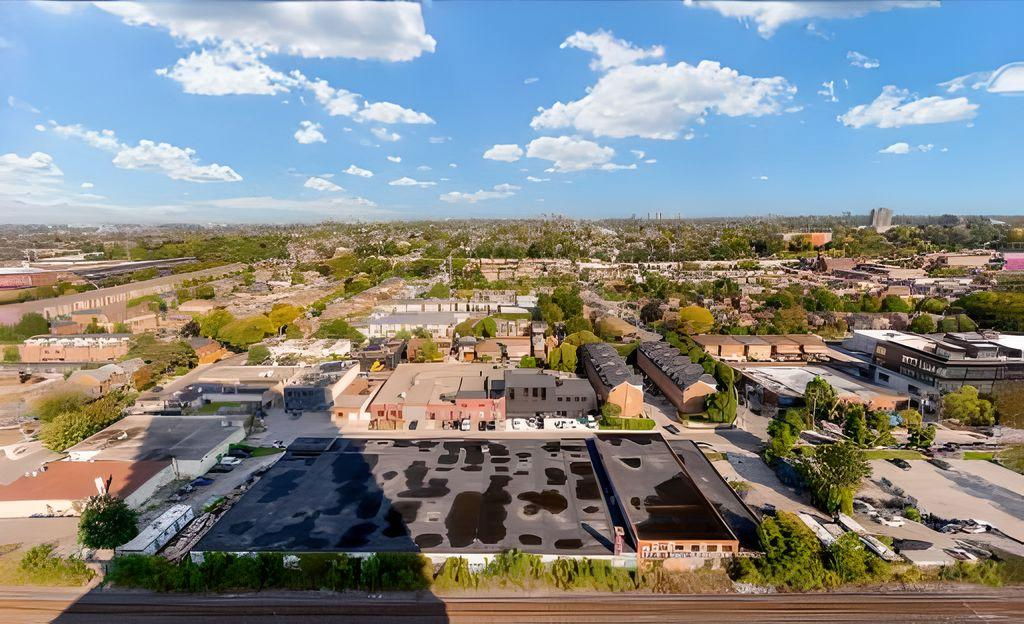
556 476
586 484
632 462
429 540
408 509
395 524
389 475
591 509
369 505
479 515
569 544
414 474
527 539
550 501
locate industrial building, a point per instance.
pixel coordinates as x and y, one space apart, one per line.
768 388
75 348
531 392
314 389
682 382
613 380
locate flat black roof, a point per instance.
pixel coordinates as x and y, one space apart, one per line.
657 495
444 496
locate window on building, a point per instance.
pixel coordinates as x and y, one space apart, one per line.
726 548
712 548
695 548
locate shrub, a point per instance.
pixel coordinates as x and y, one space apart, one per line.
258 354
107 522
40 566
630 424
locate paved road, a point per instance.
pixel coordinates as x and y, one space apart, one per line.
17 606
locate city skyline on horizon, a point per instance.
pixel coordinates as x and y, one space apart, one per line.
163 113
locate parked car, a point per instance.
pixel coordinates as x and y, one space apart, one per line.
413 424
229 460
221 469
491 425
278 444
672 429
889 522
482 425
902 464
941 464
201 482
465 425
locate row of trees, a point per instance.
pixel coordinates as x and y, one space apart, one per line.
69 417
239 333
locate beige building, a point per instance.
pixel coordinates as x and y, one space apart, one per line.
613 381
75 348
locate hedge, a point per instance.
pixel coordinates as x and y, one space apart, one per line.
632 424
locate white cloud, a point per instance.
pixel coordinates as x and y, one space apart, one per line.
610 51
177 163
530 80
658 101
616 166
535 179
770 15
320 184
927 147
453 165
385 135
569 154
407 181
335 101
103 139
651 161
507 152
359 171
309 132
14 102
389 31
229 69
87 185
828 90
638 153
860 60
762 178
40 127
423 168
35 176
438 139
388 113
1008 79
395 159
895 108
905 148
501 191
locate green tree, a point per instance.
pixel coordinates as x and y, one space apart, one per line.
339 328
783 432
651 311
792 554
578 324
550 313
791 320
856 427
966 406
611 410
694 319
931 305
527 361
243 332
923 324
32 324
11 354
211 323
258 354
833 473
821 400
57 402
486 328
721 406
107 522
563 358
569 300
428 351
283 313
922 437
910 418
581 338
894 303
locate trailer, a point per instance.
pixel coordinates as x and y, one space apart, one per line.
159 532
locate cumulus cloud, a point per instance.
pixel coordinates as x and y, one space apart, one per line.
895 108
40 127
438 139
309 132
395 159
1007 80
385 135
177 163
659 101
33 176
230 69
359 171
530 80
407 181
569 154
320 184
388 31
770 16
388 113
536 179
500 191
905 148
87 185
508 152
862 61
610 51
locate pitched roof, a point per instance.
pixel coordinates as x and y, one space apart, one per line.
68 480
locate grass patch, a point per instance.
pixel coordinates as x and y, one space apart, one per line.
1013 458
631 424
982 455
40 566
892 454
211 408
258 451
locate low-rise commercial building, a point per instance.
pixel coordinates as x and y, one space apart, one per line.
530 392
768 388
682 382
613 380
75 348
315 389
436 392
99 381
439 324
62 488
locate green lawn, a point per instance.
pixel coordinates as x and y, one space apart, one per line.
892 454
211 408
258 451
982 455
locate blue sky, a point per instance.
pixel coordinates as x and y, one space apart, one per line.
278 112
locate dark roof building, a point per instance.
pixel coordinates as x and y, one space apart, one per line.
680 380
533 392
613 379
